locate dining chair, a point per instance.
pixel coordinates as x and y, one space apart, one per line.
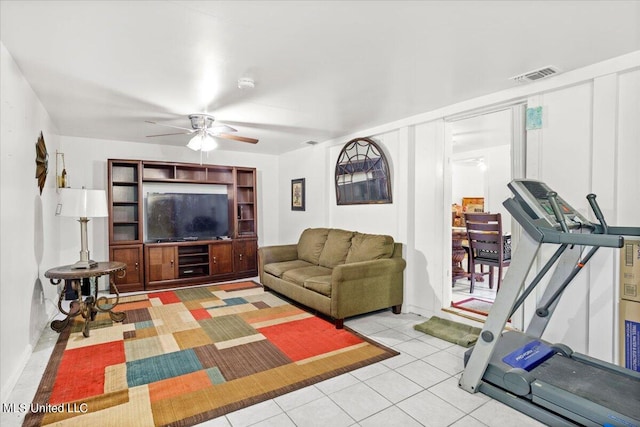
486 246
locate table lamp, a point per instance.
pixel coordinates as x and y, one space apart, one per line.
83 204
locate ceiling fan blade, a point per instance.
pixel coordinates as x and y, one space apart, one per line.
237 138
221 129
169 126
167 134
279 128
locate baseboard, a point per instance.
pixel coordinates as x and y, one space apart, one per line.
15 375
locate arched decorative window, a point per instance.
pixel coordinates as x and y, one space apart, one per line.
362 174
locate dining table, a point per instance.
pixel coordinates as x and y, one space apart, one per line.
460 250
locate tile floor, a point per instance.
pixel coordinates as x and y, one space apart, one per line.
419 387
481 290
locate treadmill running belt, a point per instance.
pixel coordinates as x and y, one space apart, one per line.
606 388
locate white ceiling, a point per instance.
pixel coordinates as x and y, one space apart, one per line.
322 69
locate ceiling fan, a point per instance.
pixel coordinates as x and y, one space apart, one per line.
204 132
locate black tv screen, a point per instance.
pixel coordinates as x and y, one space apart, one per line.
186 216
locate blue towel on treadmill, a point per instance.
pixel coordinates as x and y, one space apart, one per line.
528 356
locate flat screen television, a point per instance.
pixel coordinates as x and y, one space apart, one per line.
186 216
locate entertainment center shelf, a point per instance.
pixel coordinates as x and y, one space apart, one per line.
158 264
176 172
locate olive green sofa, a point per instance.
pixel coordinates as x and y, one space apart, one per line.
336 272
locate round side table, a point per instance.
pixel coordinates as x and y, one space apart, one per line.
91 304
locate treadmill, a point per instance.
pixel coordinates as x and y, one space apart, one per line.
548 381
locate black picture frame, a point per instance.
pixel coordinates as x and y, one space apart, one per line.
298 194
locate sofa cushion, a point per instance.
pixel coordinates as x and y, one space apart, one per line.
278 268
299 275
319 284
335 248
311 243
367 247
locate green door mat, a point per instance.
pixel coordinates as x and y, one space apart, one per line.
448 330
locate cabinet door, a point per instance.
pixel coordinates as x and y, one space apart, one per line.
132 256
221 258
161 263
245 256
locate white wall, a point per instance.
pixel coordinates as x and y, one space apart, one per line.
86 165
34 239
29 242
467 179
622 95
588 143
591 129
311 164
316 164
562 159
429 251
381 218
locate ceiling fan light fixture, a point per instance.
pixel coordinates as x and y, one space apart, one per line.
202 142
201 121
208 143
195 143
204 133
246 83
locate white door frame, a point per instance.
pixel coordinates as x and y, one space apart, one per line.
518 170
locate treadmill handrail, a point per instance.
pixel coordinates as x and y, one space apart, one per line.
605 240
603 227
623 230
552 197
550 235
595 207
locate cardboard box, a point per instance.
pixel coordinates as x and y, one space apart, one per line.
630 334
630 270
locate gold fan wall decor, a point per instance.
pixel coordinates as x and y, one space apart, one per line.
42 162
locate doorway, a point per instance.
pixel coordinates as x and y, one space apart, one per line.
486 154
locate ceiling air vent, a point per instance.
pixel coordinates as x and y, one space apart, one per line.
532 76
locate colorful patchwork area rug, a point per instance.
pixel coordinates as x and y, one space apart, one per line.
185 356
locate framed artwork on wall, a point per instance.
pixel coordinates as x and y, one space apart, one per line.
362 174
297 194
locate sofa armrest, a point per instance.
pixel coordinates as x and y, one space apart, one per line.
279 253
361 287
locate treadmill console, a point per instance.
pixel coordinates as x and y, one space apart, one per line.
533 196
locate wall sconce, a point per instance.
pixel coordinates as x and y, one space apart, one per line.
62 180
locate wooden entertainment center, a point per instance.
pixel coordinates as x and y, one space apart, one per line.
160 265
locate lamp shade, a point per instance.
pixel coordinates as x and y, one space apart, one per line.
83 203
202 142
